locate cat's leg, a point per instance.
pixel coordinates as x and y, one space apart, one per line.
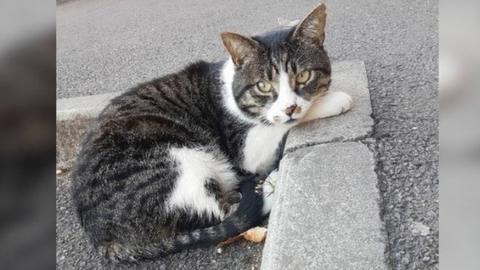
268 191
331 104
229 201
266 188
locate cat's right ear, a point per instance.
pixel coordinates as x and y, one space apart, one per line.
311 29
239 47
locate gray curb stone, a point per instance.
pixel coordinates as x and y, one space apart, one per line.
326 213
87 106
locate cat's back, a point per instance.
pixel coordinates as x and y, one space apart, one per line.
175 104
182 94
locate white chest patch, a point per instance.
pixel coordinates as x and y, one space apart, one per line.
196 168
261 147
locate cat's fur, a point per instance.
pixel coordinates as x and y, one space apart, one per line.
160 169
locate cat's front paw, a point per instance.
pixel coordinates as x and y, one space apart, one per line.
331 104
343 101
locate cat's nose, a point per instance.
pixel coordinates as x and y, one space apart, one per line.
290 110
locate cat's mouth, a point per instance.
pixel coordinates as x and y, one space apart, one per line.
285 119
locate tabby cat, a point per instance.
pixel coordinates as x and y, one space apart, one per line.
173 163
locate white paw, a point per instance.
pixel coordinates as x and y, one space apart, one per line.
342 100
331 104
268 190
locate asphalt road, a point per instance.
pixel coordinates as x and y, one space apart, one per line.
107 46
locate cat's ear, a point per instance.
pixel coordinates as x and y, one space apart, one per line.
312 28
240 47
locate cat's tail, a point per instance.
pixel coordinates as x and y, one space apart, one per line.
248 214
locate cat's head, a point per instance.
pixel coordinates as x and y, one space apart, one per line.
274 78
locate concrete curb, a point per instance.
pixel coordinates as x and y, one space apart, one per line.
326 212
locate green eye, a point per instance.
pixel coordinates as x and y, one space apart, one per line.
303 76
264 87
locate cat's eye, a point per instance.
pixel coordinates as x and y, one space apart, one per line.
264 87
303 76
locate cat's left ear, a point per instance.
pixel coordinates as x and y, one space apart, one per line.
312 28
239 47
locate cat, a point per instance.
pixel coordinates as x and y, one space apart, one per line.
173 163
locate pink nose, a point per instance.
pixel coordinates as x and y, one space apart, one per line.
290 110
